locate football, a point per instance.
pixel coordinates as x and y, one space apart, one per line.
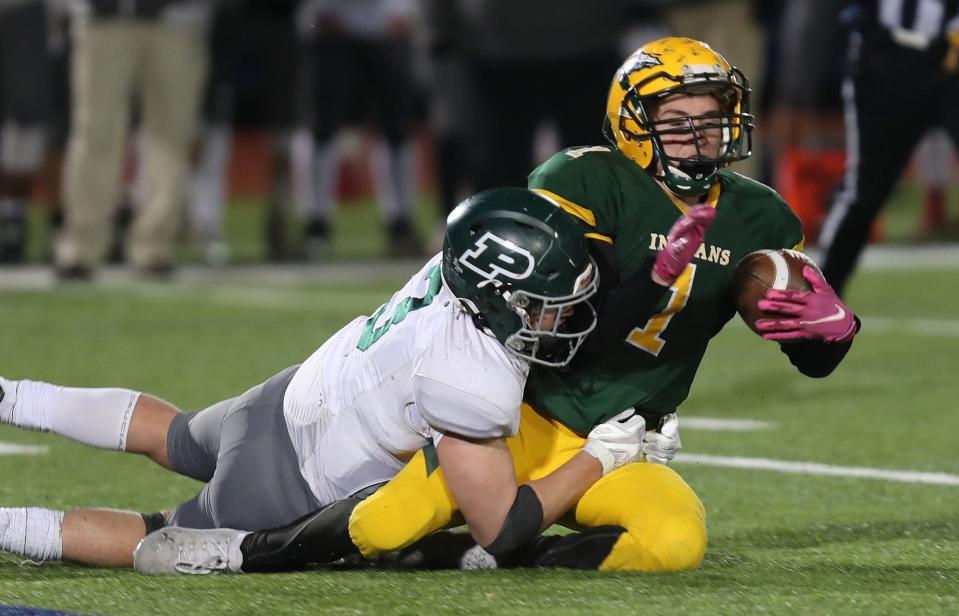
762 270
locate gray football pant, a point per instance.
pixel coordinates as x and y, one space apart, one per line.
242 449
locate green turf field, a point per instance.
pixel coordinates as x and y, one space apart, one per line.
779 543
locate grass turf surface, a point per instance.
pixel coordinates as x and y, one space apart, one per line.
778 543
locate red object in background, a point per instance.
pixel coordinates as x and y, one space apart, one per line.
807 178
933 210
250 172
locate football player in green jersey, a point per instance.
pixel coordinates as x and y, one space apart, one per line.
668 223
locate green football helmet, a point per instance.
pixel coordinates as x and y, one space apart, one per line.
521 268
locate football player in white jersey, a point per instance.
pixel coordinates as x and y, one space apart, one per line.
443 362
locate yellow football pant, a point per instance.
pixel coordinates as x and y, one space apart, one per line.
664 520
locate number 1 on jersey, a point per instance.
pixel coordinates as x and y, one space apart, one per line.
649 337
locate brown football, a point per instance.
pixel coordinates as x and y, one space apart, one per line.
762 270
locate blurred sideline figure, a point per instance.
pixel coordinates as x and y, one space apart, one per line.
934 169
500 71
803 138
903 80
154 50
24 109
526 63
251 42
362 60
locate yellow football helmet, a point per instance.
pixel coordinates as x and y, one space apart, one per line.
678 65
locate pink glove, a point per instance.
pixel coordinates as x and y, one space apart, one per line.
683 241
818 314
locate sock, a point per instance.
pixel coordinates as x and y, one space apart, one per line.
33 532
393 172
301 170
207 183
95 417
325 163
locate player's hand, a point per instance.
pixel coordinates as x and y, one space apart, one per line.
617 441
683 241
817 314
661 446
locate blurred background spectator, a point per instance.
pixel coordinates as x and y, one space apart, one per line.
255 53
361 71
903 81
519 65
799 106
154 52
399 108
24 109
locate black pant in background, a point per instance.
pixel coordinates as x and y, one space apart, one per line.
892 97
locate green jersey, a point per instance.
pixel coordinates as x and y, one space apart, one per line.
654 366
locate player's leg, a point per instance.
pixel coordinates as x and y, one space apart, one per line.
116 419
414 504
641 517
185 443
188 444
107 418
243 449
649 518
104 537
99 537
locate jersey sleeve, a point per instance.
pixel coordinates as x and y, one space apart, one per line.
579 180
450 409
467 384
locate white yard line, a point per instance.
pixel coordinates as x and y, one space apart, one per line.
716 424
922 327
814 468
904 256
12 449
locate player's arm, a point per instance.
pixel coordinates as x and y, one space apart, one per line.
503 516
620 304
633 301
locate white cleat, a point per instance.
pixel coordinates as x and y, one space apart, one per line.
191 551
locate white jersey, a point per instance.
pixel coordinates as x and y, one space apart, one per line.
379 389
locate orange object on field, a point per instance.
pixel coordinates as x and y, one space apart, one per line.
807 179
